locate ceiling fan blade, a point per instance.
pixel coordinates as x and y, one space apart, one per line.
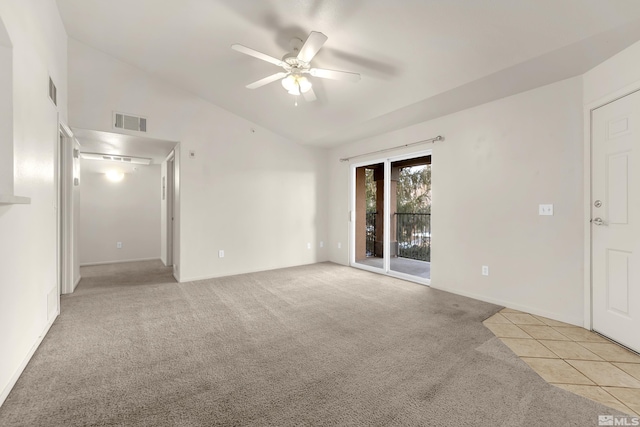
311 46
267 80
334 75
309 95
256 54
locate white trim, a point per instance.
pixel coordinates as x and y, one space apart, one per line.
16 375
242 272
64 214
386 220
67 130
351 241
588 109
409 277
118 261
75 285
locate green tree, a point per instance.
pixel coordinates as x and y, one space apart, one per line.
370 188
414 190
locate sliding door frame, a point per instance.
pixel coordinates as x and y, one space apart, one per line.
387 218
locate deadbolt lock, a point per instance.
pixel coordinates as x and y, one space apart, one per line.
597 203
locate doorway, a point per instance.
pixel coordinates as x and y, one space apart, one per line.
66 215
169 196
615 220
391 216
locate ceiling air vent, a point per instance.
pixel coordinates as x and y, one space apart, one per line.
53 92
125 121
116 158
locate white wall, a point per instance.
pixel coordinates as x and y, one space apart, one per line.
6 113
28 232
256 195
613 75
127 211
497 163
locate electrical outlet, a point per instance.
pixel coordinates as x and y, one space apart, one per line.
119 245
308 245
221 253
339 245
322 244
485 270
545 210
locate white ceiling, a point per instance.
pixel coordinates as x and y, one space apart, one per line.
418 58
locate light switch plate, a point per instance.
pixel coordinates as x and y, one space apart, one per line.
221 253
545 210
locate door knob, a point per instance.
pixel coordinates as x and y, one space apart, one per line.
597 221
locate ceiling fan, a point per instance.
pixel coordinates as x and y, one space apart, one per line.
296 65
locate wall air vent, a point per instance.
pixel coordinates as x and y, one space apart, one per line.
125 121
53 92
116 158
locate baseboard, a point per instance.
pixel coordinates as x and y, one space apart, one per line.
118 261
236 273
577 321
75 285
25 362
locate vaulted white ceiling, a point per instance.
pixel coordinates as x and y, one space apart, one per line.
418 58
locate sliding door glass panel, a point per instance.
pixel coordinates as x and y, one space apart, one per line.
369 208
410 217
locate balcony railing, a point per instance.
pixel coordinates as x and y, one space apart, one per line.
413 233
371 234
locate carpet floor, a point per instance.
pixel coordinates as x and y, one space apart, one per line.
313 345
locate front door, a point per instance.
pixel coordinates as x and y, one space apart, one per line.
615 220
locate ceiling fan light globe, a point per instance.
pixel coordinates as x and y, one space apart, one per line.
289 83
295 91
305 84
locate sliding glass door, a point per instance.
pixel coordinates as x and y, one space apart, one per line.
410 217
391 216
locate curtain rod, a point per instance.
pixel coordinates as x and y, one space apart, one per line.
437 138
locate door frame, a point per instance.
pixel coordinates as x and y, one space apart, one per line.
386 161
64 211
170 206
588 141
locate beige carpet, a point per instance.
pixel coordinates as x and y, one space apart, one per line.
312 345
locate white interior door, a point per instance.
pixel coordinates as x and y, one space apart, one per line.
615 224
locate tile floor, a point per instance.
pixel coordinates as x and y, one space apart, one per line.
572 358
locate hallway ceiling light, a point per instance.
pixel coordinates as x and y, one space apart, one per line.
115 176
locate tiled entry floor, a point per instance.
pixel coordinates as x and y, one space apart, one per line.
572 358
